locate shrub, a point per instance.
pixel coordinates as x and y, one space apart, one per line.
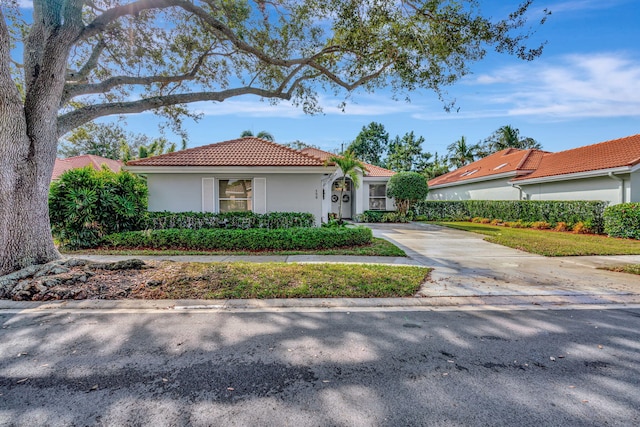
552 212
383 216
228 220
251 240
85 205
561 226
540 225
407 188
623 220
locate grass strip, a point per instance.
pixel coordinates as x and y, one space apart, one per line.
631 269
550 243
378 247
281 280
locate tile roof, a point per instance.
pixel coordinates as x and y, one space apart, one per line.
77 162
604 155
372 170
248 151
510 160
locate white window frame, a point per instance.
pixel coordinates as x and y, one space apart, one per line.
378 197
219 198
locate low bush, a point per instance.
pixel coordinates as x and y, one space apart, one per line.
228 220
623 220
383 216
258 239
552 212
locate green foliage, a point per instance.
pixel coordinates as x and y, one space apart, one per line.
407 188
405 154
623 220
85 205
257 239
383 216
461 153
505 137
436 167
371 144
263 134
228 220
570 212
350 166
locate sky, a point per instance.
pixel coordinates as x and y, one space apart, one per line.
584 89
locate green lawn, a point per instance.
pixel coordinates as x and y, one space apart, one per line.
550 243
280 280
378 247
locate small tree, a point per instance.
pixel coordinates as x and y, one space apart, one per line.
407 188
349 166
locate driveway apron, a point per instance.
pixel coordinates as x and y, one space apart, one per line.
465 265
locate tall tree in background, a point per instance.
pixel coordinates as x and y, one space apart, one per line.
350 166
371 144
111 141
460 153
507 137
263 134
86 59
438 166
406 155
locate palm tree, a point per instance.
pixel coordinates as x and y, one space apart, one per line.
461 153
350 166
263 134
509 137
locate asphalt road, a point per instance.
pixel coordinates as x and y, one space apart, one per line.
321 367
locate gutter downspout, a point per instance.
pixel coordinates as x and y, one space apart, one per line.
621 181
519 189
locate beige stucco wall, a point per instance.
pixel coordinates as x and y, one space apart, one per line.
597 188
284 192
497 189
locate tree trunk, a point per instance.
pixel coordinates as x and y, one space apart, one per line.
25 174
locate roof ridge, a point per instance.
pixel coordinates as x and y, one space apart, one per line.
597 143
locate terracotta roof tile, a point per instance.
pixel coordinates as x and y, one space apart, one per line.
505 161
77 162
604 155
248 151
372 170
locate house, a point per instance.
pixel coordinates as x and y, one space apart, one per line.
77 162
251 174
608 171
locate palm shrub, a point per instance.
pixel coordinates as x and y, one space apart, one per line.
407 188
85 205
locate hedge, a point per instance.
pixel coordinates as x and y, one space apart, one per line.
623 220
229 220
256 239
551 211
383 216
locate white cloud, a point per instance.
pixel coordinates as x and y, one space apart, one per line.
578 5
573 86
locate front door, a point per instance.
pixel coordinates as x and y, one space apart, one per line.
345 194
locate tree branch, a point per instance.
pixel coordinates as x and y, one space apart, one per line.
91 63
83 115
71 91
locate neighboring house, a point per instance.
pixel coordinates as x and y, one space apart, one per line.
77 162
254 175
608 171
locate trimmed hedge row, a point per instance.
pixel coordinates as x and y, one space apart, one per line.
383 216
623 220
252 240
570 212
230 220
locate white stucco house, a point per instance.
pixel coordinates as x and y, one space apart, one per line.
251 174
608 171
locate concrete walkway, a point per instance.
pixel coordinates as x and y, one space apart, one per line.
467 266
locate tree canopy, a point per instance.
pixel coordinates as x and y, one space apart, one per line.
73 61
371 144
506 137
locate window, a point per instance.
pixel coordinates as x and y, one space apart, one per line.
377 197
234 195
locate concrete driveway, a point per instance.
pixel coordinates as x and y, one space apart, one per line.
465 265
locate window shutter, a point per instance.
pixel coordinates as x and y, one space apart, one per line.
208 199
260 195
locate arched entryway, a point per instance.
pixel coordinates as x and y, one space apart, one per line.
346 194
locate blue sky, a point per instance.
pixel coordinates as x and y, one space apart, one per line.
584 89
